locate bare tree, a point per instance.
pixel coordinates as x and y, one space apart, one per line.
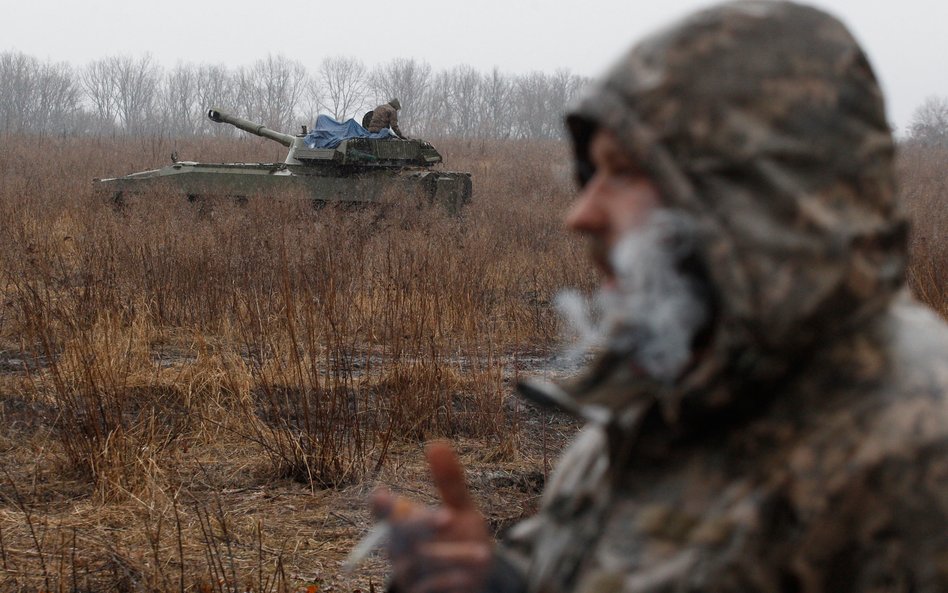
436 118
540 102
497 105
277 84
134 94
464 91
57 99
135 86
312 101
180 101
532 106
244 95
929 123
564 88
99 86
344 86
406 80
216 88
40 98
18 73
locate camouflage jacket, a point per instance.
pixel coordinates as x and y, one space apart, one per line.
385 116
807 449
835 481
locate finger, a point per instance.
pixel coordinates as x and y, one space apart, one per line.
448 476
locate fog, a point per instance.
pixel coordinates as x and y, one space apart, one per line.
905 40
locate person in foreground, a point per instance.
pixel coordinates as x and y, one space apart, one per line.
767 409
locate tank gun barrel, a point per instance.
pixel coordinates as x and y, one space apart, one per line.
216 115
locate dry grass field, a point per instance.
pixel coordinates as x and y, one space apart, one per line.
202 398
923 173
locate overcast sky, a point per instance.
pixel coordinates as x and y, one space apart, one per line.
905 39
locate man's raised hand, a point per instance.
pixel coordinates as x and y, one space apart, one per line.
437 550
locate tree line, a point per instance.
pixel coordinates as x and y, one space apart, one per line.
929 123
123 95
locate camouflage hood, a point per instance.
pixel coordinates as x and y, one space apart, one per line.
763 120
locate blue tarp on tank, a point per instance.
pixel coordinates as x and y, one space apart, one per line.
328 133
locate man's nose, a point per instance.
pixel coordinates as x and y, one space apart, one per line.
586 215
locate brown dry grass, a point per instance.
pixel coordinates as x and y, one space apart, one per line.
923 173
201 399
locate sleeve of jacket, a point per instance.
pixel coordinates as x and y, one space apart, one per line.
504 576
394 124
545 549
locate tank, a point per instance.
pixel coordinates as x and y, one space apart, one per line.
357 170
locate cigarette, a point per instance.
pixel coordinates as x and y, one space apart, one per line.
369 542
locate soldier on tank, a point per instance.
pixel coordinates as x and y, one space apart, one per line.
767 409
385 116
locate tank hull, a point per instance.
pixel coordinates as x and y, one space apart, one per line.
246 180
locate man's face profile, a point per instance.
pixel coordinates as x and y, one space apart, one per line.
648 307
617 199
